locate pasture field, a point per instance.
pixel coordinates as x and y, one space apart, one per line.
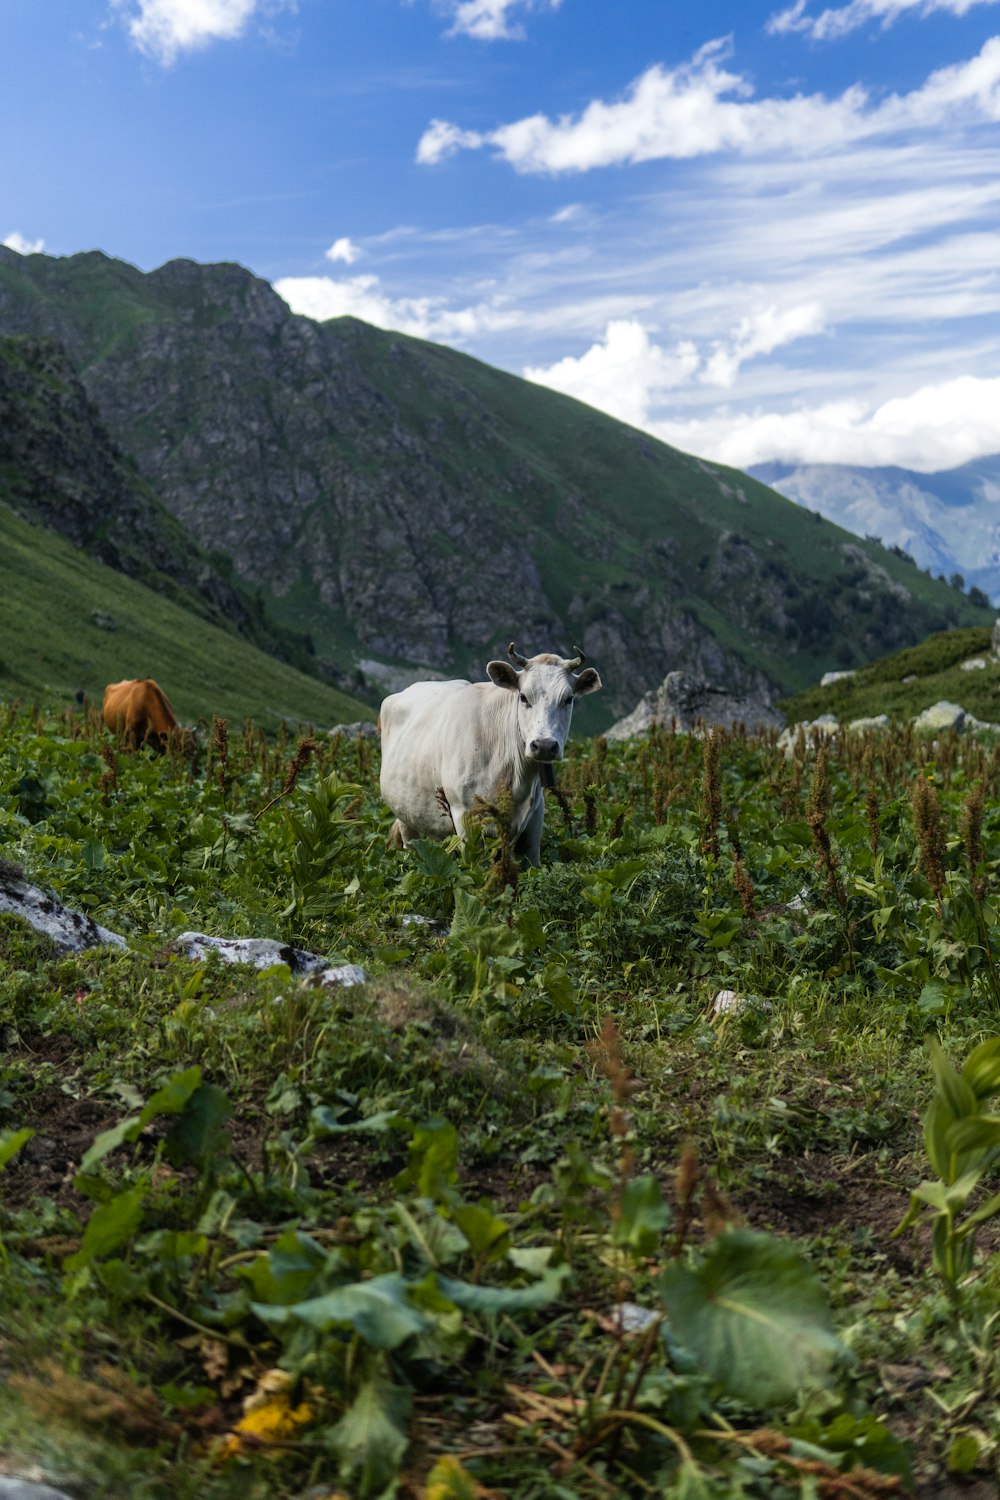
522 1215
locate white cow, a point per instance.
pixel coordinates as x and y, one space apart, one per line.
447 746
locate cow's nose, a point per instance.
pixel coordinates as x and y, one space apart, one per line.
544 749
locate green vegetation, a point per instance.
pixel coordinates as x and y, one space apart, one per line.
404 502
903 684
258 1235
69 624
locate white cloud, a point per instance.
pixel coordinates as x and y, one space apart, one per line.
15 241
489 20
936 427
441 140
566 215
700 108
323 297
626 373
162 29
761 333
343 249
839 20
622 375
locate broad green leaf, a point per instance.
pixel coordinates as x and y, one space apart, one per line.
172 1097
753 1315
964 1454
936 1122
952 1087
198 1136
980 1134
433 1164
982 1068
169 1100
370 1439
487 1235
324 1122
11 1144
109 1226
643 1216
109 1140
500 1299
285 1274
378 1310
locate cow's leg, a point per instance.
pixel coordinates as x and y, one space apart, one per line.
528 844
397 838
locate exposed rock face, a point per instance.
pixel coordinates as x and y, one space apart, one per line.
418 506
61 468
687 702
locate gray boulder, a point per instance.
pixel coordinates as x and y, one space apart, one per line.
829 678
362 730
686 702
264 953
812 729
940 717
878 721
70 930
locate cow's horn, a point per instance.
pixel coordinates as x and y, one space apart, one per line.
516 657
577 661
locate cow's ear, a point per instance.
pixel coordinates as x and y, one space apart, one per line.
587 681
502 673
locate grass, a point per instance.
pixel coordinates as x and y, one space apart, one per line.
52 644
405 1212
906 682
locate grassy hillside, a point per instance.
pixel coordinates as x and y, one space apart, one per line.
934 673
405 503
68 623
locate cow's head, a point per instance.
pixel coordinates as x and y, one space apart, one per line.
547 687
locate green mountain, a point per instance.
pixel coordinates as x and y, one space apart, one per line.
70 624
904 683
408 505
60 468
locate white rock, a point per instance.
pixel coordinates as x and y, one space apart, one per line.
813 729
829 678
342 976
974 663
262 953
858 726
362 730
940 717
69 930
631 1318
729 1003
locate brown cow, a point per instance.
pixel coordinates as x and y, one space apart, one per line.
139 711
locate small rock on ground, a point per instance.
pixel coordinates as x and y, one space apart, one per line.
12 1488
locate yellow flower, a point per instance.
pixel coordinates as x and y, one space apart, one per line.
272 1421
449 1481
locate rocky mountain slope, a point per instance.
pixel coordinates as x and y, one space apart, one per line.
948 521
60 468
408 505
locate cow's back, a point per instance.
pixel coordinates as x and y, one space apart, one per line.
428 731
139 710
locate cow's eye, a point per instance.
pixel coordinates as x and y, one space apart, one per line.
523 699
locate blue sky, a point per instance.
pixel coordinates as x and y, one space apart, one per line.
760 231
